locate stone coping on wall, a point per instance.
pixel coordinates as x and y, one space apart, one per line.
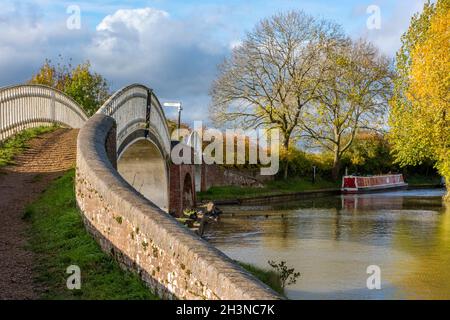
173 261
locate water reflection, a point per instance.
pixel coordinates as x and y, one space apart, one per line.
331 241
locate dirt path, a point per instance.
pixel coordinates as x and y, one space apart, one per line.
49 156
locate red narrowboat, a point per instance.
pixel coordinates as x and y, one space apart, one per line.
358 184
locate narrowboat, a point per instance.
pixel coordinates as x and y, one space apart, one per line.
360 184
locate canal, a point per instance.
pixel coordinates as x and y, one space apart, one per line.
333 240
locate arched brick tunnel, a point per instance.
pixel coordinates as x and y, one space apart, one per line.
188 199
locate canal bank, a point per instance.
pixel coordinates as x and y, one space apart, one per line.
294 196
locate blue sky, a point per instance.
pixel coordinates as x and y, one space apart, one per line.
172 46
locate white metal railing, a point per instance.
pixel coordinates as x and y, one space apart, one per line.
26 106
128 107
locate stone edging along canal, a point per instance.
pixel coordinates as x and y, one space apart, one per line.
292 196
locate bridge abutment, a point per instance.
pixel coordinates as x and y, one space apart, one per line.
182 188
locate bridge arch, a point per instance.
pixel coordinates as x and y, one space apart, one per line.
142 164
142 141
27 106
137 112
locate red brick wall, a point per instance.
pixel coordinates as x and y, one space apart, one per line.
215 175
177 175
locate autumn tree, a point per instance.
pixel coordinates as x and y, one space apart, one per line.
273 74
420 109
352 96
370 153
86 87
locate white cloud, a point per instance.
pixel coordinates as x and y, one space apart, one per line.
26 40
235 43
176 58
135 19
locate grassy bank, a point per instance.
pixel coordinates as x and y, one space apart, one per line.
18 143
269 277
291 185
271 188
59 239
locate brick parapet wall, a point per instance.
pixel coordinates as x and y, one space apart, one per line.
173 261
175 199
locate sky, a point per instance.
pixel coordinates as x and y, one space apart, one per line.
172 46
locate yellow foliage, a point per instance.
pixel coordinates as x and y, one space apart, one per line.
420 111
430 85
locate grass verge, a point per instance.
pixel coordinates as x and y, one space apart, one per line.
269 277
291 185
271 188
58 237
18 143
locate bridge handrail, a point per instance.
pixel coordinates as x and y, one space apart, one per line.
119 98
29 105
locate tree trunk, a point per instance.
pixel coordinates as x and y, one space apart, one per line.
336 167
286 168
447 196
337 155
286 148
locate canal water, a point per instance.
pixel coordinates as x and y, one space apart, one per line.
332 241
